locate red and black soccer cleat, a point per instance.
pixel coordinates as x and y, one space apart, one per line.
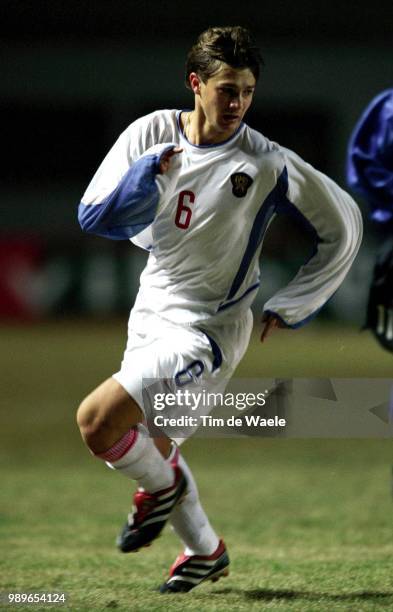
189 571
150 514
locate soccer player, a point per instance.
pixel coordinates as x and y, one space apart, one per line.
370 173
198 189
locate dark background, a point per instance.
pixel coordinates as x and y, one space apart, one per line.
75 74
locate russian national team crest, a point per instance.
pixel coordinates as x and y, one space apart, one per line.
240 184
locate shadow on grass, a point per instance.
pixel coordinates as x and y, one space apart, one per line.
287 594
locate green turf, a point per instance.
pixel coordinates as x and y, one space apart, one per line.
307 522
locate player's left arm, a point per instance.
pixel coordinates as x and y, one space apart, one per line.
335 221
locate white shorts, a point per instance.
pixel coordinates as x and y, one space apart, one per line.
162 357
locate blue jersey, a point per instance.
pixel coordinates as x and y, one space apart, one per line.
370 157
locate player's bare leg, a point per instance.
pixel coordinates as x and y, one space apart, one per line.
110 422
106 414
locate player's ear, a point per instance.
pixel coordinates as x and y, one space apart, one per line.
195 83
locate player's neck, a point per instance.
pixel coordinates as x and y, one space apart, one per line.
198 131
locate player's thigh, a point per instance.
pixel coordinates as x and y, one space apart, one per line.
174 355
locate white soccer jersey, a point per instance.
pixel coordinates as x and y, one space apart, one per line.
205 219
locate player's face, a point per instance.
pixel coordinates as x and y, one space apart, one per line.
225 98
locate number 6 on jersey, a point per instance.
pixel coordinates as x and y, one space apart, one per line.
183 212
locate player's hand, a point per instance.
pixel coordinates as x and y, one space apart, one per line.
166 157
270 324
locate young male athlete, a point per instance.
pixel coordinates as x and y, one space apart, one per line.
198 189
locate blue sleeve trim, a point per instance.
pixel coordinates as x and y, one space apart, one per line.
294 325
131 206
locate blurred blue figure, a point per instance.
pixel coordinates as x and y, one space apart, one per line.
370 174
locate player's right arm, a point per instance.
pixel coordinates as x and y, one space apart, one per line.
122 198
336 224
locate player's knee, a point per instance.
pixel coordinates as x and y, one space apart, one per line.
91 419
106 415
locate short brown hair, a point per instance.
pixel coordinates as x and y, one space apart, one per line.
232 45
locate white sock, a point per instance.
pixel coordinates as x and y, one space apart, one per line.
136 456
188 519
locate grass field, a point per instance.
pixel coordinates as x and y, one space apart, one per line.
307 522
